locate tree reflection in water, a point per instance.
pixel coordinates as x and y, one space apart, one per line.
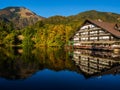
18 63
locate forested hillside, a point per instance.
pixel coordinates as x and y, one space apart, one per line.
52 31
6 32
56 30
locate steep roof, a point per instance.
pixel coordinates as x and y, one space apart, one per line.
110 27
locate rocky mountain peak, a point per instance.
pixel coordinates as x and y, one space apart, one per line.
20 16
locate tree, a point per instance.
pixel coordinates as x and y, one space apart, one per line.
28 34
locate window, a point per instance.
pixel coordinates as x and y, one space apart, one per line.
84 39
93 38
76 38
84 33
104 38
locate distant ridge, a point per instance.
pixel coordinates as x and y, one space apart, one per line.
81 17
95 15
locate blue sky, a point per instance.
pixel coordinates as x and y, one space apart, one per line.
47 8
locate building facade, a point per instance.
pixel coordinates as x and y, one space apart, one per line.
97 35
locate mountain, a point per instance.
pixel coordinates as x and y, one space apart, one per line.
79 18
56 20
95 15
20 16
4 19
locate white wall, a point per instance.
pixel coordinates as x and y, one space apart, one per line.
86 26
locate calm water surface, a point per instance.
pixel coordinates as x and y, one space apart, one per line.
58 69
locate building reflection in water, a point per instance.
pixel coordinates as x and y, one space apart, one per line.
96 63
18 63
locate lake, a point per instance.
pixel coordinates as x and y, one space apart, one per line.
58 69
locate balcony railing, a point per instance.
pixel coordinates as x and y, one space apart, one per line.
91 29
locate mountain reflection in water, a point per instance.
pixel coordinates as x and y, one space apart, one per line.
16 63
57 69
19 64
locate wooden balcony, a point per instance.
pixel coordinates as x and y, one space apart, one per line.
98 42
92 35
91 29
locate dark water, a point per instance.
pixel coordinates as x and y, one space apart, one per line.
58 69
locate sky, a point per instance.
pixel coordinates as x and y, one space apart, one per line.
48 8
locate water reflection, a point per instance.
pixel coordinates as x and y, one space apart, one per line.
96 63
18 63
56 69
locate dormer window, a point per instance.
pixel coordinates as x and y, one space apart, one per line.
117 27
